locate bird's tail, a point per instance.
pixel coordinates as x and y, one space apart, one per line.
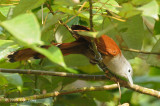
80 46
76 47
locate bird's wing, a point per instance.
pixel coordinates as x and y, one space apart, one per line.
107 46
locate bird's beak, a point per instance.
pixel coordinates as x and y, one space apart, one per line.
130 79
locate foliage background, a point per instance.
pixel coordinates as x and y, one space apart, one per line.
131 23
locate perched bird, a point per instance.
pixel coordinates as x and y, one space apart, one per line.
112 56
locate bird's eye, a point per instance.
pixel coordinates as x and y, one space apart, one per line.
129 71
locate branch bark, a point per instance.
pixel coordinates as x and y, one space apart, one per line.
58 93
91 15
139 51
79 90
51 73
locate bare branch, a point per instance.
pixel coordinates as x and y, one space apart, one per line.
51 73
78 90
91 15
57 93
144 90
139 51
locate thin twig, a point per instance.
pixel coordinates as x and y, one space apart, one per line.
139 51
14 0
60 21
98 55
9 4
113 17
91 15
119 88
45 19
42 13
102 6
79 11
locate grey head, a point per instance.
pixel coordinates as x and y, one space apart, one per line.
120 66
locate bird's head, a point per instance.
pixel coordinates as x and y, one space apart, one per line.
119 66
127 71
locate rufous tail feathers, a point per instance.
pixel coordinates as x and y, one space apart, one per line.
76 47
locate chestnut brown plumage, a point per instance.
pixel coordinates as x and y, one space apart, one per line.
112 56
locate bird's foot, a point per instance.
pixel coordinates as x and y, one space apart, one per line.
93 61
98 58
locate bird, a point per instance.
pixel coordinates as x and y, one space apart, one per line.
112 56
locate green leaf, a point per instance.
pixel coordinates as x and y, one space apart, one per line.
97 19
128 10
157 27
63 35
53 54
126 96
67 10
52 21
14 79
155 59
74 21
4 10
110 5
56 81
4 64
6 47
128 34
102 96
140 2
75 60
44 83
2 17
25 28
3 80
74 100
84 15
151 9
90 69
25 5
98 33
106 29
66 2
154 71
87 33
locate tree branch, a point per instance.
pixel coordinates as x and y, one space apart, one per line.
79 90
139 51
51 73
58 93
91 15
144 90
